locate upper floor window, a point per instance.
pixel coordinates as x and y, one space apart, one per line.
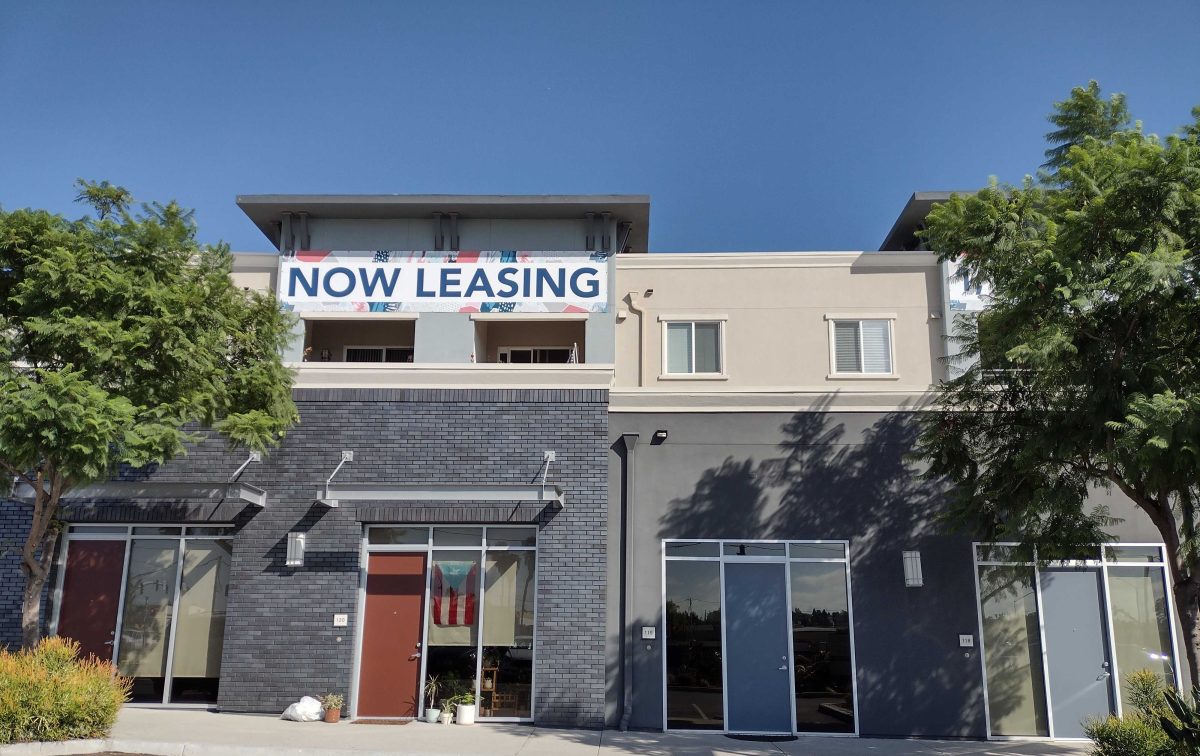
378 354
862 346
694 347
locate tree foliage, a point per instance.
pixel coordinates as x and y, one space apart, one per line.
1083 373
120 335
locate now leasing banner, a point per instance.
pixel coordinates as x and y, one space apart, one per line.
385 281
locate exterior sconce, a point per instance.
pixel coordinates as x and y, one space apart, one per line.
295 550
913 578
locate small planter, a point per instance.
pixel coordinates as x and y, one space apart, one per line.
465 714
431 715
446 716
333 715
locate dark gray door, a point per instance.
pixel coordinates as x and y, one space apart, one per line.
757 666
1076 647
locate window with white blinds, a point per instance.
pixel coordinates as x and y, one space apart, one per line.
862 346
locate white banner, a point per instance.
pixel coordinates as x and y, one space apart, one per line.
404 282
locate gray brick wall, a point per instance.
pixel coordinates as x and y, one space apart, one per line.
279 639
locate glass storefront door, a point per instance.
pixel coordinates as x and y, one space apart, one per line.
758 637
478 627
1058 641
170 625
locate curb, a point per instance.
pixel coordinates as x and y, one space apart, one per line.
160 748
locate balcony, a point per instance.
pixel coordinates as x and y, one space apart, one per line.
368 375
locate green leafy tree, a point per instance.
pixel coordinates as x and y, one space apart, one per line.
120 335
1084 371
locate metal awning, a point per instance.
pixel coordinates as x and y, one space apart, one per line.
145 489
330 494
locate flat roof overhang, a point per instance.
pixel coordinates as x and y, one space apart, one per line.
266 210
912 218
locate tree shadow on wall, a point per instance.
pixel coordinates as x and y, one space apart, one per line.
847 477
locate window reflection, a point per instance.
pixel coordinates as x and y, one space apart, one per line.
146 618
1012 651
821 648
1140 628
693 646
204 586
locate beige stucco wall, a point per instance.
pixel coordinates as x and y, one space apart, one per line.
775 308
255 270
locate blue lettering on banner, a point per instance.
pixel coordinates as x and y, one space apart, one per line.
450 278
506 279
479 283
329 282
377 279
421 290
297 276
592 285
555 279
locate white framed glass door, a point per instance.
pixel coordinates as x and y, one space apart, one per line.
1058 640
717 626
478 630
170 617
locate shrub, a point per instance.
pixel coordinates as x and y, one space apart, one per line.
1130 735
49 693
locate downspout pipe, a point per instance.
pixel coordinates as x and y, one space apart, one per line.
635 305
628 642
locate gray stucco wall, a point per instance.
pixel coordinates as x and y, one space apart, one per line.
279 639
812 476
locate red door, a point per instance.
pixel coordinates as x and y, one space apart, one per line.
91 594
390 668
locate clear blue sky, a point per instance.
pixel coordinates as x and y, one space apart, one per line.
753 125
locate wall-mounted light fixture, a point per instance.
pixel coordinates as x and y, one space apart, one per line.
295 550
659 437
913 577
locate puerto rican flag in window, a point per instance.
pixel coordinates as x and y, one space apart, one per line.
453 592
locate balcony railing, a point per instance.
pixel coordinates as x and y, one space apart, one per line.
313 375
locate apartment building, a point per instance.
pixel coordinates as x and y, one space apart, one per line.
597 486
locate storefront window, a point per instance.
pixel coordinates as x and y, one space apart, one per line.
695 689
453 620
146 620
200 623
506 675
1141 630
821 647
1013 652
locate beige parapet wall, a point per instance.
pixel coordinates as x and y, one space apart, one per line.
776 309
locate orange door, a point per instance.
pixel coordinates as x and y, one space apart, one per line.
91 593
389 670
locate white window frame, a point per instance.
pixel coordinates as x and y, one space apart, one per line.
786 559
857 317
507 352
383 352
1102 562
722 359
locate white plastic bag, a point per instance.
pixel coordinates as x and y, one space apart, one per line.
307 709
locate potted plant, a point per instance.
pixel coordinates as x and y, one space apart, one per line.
332 704
433 686
464 709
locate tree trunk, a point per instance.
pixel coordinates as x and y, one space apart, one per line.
31 608
38 554
1187 605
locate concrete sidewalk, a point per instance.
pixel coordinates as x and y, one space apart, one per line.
202 733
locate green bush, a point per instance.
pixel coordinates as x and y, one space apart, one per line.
1130 735
49 693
